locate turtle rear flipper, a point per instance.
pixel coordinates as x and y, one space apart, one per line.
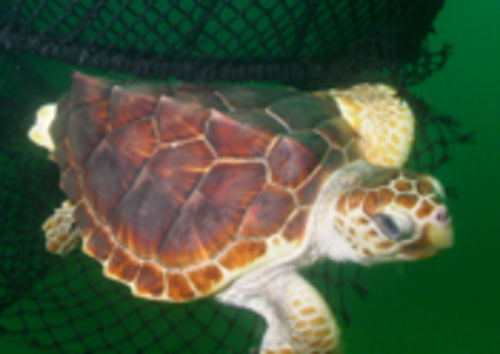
39 132
61 234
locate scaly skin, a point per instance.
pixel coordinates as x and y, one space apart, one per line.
383 121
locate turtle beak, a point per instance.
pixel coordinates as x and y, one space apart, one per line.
437 235
439 232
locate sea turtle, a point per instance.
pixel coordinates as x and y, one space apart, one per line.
185 192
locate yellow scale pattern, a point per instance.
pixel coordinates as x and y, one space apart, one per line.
384 122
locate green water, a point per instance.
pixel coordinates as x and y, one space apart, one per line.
448 304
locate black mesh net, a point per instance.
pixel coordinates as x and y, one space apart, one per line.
302 42
64 303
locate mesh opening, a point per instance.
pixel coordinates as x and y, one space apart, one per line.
65 304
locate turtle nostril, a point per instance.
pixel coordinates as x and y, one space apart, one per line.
442 215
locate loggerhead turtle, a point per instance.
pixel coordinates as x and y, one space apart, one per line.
187 192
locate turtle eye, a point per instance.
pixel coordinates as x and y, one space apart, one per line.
388 226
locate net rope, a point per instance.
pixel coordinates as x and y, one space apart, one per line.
65 304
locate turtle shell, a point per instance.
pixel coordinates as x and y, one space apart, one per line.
180 190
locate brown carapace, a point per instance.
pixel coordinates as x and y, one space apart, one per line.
178 191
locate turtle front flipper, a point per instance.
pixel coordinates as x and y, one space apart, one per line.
298 319
61 236
383 122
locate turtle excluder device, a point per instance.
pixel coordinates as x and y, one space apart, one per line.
241 169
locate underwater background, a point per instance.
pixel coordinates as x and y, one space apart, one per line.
450 303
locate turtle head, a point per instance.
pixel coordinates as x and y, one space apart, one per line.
387 214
